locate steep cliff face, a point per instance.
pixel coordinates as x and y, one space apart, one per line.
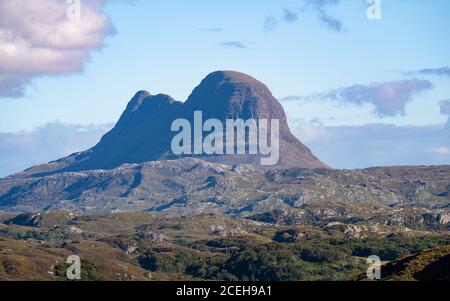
232 95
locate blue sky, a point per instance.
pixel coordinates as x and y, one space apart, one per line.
169 46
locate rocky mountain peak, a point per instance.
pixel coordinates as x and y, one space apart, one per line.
231 94
143 132
230 77
137 100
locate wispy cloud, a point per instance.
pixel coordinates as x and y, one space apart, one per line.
37 38
318 7
330 21
290 16
270 23
445 110
445 106
376 144
389 98
235 44
54 140
440 150
442 71
296 98
213 29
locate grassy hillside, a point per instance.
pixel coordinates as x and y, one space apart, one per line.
427 265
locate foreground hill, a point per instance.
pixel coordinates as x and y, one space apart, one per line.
428 265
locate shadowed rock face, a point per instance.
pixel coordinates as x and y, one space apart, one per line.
233 95
143 133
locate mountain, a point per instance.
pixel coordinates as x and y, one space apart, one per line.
143 132
132 168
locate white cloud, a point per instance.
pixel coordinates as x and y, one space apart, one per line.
441 150
376 144
313 133
37 38
50 142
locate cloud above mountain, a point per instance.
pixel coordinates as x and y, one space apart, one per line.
388 98
47 38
